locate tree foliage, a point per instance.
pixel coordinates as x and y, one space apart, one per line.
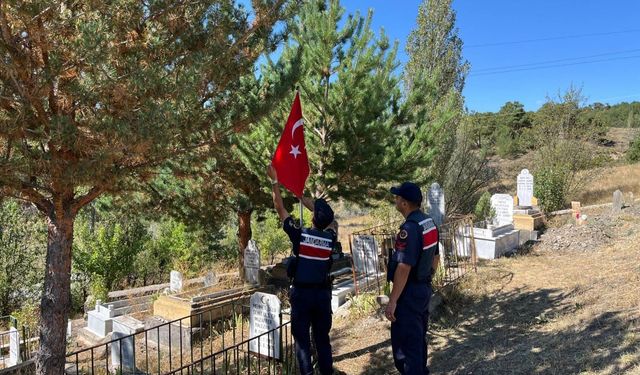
22 250
350 103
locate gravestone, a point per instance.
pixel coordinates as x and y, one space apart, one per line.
502 204
435 197
617 202
525 188
122 353
68 328
365 254
252 263
210 279
122 350
176 281
100 320
14 347
264 316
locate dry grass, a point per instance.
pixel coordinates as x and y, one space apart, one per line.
541 313
625 178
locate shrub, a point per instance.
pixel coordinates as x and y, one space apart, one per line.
483 209
551 186
633 154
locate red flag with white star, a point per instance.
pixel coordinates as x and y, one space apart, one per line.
290 159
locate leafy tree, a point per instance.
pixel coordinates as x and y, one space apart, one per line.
22 251
434 78
95 96
562 150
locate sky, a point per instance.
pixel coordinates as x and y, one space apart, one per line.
593 45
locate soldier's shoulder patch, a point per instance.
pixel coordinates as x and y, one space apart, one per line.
403 234
295 224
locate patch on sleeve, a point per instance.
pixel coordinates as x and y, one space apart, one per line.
403 234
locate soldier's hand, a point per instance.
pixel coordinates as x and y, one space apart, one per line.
390 311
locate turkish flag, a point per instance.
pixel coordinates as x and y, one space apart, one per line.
290 159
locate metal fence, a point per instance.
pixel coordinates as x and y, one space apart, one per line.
456 246
240 359
200 339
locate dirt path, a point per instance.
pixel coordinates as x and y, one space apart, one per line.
547 312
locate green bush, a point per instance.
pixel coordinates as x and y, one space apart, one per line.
483 210
633 154
551 188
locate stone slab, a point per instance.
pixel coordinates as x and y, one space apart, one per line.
98 324
529 222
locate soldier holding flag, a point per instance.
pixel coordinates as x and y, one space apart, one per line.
310 295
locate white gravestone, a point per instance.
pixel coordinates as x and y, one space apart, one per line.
365 254
252 263
175 281
525 188
210 279
122 350
502 204
100 320
436 203
264 316
14 347
68 329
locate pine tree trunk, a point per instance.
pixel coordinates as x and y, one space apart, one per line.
244 235
56 298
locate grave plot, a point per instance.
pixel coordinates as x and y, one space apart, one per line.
222 340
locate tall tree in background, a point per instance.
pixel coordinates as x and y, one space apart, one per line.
434 78
435 50
95 96
350 104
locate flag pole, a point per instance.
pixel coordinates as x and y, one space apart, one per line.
301 210
301 213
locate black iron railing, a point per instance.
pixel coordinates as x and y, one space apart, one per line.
242 358
169 346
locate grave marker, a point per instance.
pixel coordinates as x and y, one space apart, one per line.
264 316
176 281
14 347
525 188
502 204
435 197
365 254
252 263
617 202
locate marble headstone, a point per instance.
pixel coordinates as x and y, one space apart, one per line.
525 188
176 281
264 316
365 254
252 263
14 347
502 204
435 197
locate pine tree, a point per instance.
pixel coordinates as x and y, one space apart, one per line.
350 99
96 96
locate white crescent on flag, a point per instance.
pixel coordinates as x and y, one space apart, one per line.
298 124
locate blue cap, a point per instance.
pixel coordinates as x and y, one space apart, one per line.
322 214
409 191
